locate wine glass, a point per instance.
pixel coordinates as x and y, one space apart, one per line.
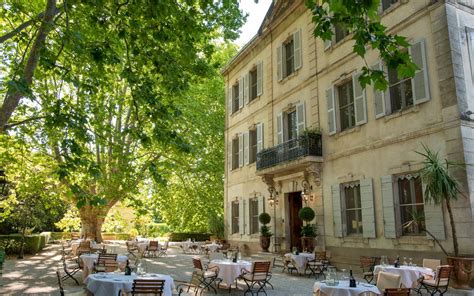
344 275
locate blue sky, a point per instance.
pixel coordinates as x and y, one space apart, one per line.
254 20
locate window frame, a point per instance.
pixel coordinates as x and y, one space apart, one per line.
402 84
253 84
350 91
235 153
390 5
235 97
341 29
253 216
253 145
235 228
289 59
346 210
398 202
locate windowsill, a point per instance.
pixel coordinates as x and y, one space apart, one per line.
354 238
347 131
392 7
253 100
283 80
252 164
236 170
411 109
236 112
414 240
339 43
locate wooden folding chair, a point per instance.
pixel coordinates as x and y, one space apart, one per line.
256 279
148 286
397 292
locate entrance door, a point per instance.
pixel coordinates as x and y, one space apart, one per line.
295 203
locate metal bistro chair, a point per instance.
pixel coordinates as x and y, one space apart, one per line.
148 286
70 266
367 264
204 278
439 284
61 288
163 251
106 262
152 249
132 248
257 278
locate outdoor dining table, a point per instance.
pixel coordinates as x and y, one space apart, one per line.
343 289
111 283
229 271
212 247
142 245
88 261
187 245
300 260
75 244
409 274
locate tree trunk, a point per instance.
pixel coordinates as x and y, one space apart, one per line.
453 227
92 219
13 96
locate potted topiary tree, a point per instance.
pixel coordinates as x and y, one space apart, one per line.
308 231
265 232
441 187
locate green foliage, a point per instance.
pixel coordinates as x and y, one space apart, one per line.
114 222
265 231
70 222
11 243
308 230
362 21
216 226
181 236
264 218
306 214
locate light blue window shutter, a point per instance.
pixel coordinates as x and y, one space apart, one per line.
388 208
246 88
368 211
297 49
260 208
229 216
336 210
280 128
379 96
279 63
300 118
241 150
246 148
420 83
331 107
434 219
259 137
260 79
241 92
241 216
360 101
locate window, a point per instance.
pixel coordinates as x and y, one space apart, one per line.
340 32
401 94
346 105
235 217
353 209
291 123
386 4
470 37
253 84
253 146
289 56
410 196
235 153
253 215
235 98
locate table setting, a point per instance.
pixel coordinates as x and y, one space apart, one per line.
409 274
229 270
88 261
111 283
342 288
300 260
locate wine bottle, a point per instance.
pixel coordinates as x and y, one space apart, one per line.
128 269
397 262
352 281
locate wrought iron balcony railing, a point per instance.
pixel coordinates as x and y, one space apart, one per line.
306 145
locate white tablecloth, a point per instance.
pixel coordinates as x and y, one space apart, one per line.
110 284
142 245
188 244
229 271
343 289
409 274
75 245
300 260
88 261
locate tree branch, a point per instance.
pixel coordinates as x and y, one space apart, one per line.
13 124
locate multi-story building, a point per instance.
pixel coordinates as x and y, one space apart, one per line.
299 121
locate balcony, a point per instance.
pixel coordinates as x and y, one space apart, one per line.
296 150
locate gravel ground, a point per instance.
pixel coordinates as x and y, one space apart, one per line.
35 275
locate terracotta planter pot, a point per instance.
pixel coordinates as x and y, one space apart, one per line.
463 277
307 243
265 243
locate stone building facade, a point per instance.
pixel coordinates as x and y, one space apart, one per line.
299 122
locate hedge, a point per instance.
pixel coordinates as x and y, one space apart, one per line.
181 236
105 235
11 243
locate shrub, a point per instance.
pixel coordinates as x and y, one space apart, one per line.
308 230
181 236
11 243
264 218
306 214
